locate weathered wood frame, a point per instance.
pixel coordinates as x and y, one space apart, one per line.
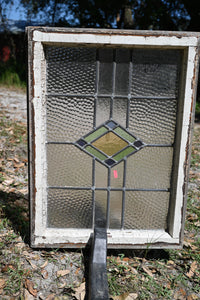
41 236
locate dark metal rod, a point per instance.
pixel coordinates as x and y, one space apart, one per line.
123 194
72 143
98 281
107 189
96 87
93 192
108 200
111 95
129 90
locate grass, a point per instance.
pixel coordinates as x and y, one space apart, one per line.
15 277
12 269
13 74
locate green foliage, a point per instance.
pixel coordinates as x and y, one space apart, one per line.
12 73
154 14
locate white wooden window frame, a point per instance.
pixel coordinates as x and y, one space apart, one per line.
41 236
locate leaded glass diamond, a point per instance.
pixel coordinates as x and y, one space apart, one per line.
110 143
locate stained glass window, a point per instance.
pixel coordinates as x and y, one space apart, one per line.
111 118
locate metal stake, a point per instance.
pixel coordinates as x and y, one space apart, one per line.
98 285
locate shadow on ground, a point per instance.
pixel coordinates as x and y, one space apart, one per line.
14 207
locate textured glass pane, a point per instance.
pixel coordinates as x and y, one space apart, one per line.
100 208
105 71
71 70
117 176
101 175
120 111
115 209
153 121
122 71
146 210
69 209
150 168
155 72
102 110
69 118
110 143
68 166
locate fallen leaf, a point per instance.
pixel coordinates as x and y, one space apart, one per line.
77 271
125 259
146 269
170 262
18 165
192 217
44 265
132 296
197 223
116 270
178 296
16 159
2 283
25 253
167 285
62 285
62 273
20 245
8 182
194 247
6 268
133 270
44 274
23 191
32 264
80 292
192 297
126 296
192 269
120 297
10 159
182 291
29 285
51 297
27 295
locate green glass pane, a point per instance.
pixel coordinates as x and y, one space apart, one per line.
124 153
110 143
95 134
124 134
95 153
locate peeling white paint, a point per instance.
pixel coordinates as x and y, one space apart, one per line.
40 134
91 38
184 139
118 237
48 236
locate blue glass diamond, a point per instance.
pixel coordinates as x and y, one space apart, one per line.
138 144
81 142
111 124
109 162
